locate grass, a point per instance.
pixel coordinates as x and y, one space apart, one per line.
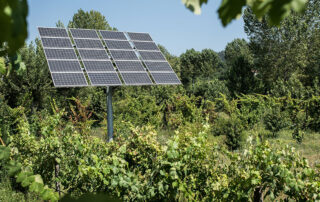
8 194
308 148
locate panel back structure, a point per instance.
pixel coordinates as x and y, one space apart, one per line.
95 59
62 60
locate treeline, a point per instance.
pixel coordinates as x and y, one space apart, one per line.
268 83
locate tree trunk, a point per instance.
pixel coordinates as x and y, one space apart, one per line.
258 195
57 170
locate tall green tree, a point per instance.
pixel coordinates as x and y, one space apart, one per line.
194 64
241 74
281 51
89 20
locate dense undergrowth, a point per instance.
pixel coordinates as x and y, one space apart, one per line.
136 166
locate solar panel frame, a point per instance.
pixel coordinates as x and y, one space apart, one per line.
50 42
118 45
146 45
59 54
132 66
44 32
153 55
158 66
127 82
123 55
75 35
80 75
73 66
121 35
88 44
106 67
139 36
93 54
93 76
160 81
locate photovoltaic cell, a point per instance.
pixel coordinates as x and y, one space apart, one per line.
104 79
98 66
60 53
123 55
64 66
89 43
56 42
165 78
136 78
129 66
145 45
112 35
158 66
89 54
113 44
152 55
139 36
69 79
84 33
52 32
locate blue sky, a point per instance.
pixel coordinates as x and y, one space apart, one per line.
168 21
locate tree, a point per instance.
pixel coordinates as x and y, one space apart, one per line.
240 76
236 48
202 64
89 20
232 9
281 51
30 86
13 21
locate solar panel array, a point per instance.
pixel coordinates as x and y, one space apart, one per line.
134 57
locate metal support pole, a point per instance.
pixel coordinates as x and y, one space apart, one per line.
109 113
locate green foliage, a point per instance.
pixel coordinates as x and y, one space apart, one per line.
275 120
202 64
209 90
138 167
139 110
261 172
26 178
89 20
13 20
232 9
180 109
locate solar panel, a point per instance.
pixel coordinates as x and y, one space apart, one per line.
84 33
123 55
129 65
64 66
98 66
141 45
136 78
69 79
66 70
52 32
56 42
60 53
152 55
165 78
89 54
104 79
158 66
113 44
89 43
139 36
112 35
